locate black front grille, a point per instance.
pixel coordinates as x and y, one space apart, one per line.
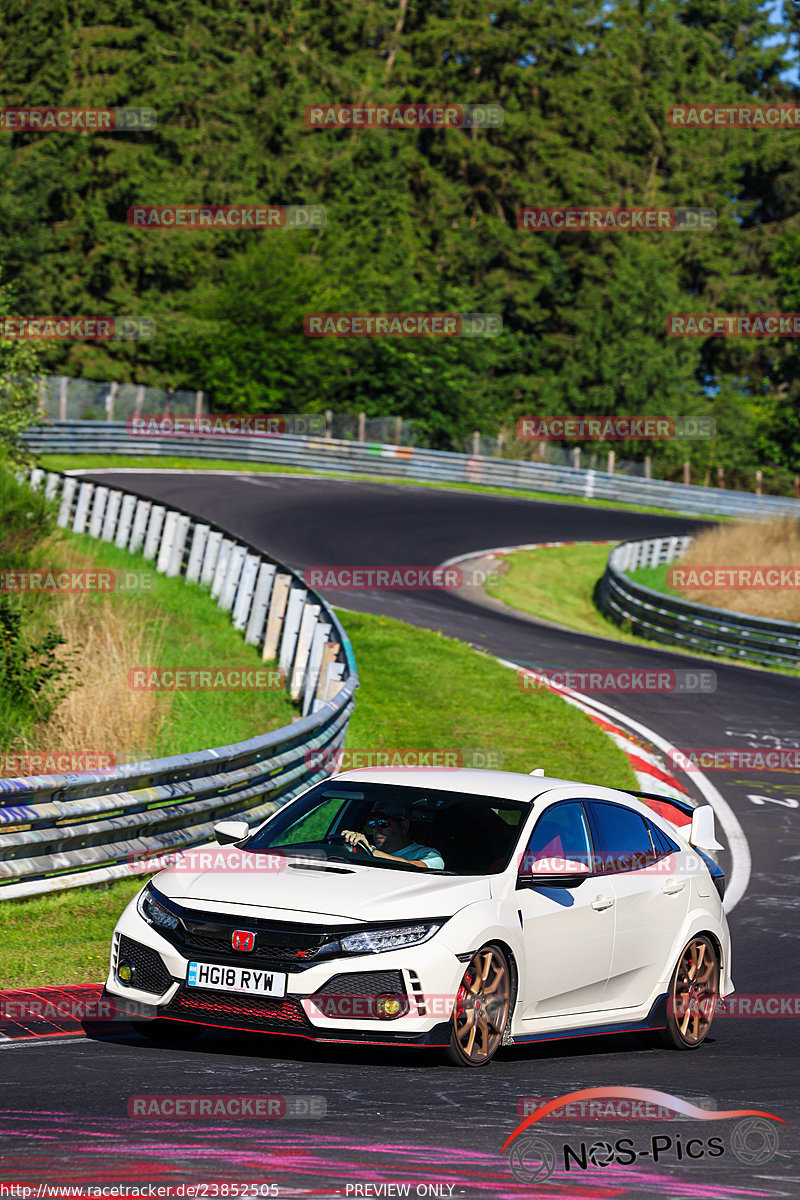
364 983
226 1010
271 945
149 972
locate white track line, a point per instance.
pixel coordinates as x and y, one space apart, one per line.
741 861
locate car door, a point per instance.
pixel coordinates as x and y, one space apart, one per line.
651 901
568 932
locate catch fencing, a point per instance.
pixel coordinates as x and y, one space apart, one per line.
59 831
676 622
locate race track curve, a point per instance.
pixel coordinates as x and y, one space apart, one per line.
394 1119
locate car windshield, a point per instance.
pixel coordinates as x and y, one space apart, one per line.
446 831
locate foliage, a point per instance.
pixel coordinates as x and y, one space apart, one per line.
418 220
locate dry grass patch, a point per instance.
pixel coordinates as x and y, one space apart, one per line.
774 543
103 635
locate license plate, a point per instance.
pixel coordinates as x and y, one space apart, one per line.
236 979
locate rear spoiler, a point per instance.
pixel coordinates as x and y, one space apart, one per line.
703 835
683 806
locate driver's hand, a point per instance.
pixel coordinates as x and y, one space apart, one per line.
355 839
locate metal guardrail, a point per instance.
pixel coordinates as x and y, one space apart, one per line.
406 462
677 622
58 831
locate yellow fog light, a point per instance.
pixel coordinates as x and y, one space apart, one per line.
125 973
389 1007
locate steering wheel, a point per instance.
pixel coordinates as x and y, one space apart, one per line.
339 837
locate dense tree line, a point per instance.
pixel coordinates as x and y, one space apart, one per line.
417 220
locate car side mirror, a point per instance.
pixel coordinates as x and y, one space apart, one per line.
552 872
542 880
227 832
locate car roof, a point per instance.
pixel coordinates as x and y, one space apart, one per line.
500 785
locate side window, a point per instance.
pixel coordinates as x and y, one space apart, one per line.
662 844
624 837
560 835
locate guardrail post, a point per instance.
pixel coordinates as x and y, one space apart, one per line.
687 472
199 537
759 479
154 527
362 426
98 512
125 521
62 398
213 543
139 530
244 591
304 639
233 572
175 562
82 507
321 635
258 610
110 519
221 567
280 596
291 628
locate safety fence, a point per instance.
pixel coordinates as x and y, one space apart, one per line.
676 622
405 462
58 831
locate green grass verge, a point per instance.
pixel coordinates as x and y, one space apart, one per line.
656 579
104 462
557 583
418 689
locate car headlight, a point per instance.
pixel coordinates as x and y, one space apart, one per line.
155 913
372 941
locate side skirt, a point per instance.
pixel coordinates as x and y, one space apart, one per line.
655 1019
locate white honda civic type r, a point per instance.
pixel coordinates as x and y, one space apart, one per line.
456 909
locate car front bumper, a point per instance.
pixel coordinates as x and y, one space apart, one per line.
331 1000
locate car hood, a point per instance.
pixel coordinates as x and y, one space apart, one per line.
305 891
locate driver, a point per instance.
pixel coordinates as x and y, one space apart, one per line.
389 833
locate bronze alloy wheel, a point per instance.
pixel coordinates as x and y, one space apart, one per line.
481 1008
693 995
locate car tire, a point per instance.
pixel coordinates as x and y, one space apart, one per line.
481 1010
692 997
167 1031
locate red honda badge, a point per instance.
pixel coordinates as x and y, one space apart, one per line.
243 939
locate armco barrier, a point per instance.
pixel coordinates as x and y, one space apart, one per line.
405 462
57 831
677 622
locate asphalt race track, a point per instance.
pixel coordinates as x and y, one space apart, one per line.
394 1119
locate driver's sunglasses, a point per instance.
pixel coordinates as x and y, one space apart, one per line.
380 822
